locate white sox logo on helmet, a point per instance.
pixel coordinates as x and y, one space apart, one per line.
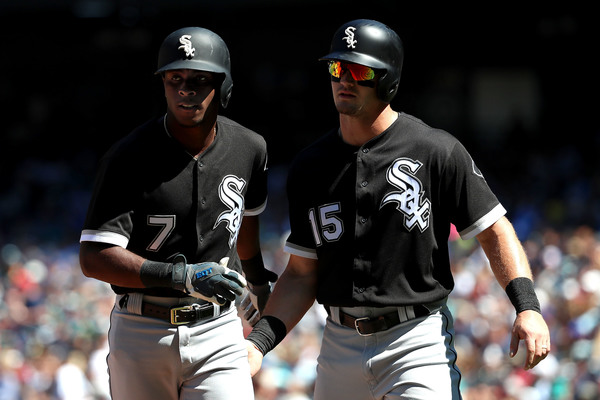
186 45
410 198
350 37
230 193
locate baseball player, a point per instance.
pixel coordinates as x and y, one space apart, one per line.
371 204
174 208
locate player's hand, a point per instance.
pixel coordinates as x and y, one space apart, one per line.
255 358
530 327
214 282
255 300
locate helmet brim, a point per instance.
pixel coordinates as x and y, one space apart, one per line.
198 65
355 58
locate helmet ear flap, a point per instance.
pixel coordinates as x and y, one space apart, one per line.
387 87
226 89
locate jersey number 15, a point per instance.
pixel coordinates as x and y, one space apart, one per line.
331 227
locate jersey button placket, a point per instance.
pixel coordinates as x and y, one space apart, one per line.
363 184
202 202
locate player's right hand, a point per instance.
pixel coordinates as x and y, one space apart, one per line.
214 282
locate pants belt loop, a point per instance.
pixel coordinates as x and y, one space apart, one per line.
335 314
134 303
403 313
410 312
216 310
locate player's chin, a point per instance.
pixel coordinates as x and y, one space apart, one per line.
347 108
190 116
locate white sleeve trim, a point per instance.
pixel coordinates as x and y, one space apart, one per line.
300 251
89 235
483 223
256 211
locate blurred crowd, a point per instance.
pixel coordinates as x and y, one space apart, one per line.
53 324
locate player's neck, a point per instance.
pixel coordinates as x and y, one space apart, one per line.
194 139
358 130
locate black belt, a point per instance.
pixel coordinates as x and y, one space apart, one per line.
370 325
179 315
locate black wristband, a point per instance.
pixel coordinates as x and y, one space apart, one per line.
254 269
267 333
156 274
522 295
161 274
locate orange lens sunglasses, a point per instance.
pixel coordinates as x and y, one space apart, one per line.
358 72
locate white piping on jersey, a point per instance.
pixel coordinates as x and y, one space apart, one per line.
300 251
89 235
165 125
483 223
256 211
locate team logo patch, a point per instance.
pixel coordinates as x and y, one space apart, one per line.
230 193
349 38
409 199
186 45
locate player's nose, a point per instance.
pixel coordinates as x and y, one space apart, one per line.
187 92
347 77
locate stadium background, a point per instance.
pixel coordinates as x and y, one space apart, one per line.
516 84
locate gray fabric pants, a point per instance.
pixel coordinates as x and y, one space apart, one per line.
151 359
413 360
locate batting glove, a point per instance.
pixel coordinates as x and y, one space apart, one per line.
213 282
255 300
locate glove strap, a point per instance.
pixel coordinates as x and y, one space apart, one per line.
178 275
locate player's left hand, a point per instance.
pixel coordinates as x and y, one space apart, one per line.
530 327
257 295
255 357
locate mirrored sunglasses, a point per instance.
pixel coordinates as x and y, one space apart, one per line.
358 72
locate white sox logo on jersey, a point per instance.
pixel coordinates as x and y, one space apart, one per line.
186 45
230 193
350 37
410 198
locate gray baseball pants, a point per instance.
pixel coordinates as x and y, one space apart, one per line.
413 360
152 359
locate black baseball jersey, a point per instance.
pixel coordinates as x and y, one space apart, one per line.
377 217
157 200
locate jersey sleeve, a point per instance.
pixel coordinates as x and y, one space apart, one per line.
109 216
473 206
301 240
255 200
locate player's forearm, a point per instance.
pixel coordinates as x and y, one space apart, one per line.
504 252
292 296
111 264
248 241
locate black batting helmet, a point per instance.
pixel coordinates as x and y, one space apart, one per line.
373 44
199 49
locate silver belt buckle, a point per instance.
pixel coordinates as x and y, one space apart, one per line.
356 321
174 310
